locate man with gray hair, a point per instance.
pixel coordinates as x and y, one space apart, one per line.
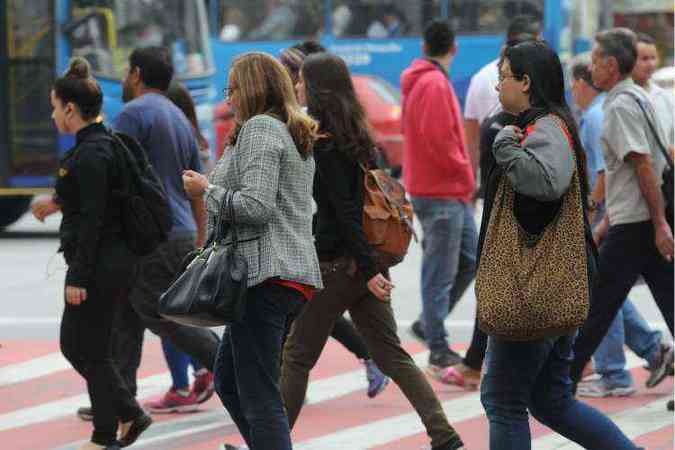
628 326
634 236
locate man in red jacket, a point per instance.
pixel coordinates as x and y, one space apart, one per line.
437 173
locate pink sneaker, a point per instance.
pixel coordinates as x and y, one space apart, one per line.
172 402
203 387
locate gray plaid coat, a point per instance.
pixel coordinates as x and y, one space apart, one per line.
272 202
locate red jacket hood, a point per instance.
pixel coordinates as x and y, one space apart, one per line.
436 162
417 69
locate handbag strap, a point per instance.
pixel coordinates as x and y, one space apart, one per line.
227 205
652 128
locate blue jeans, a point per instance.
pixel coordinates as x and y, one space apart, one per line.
448 263
247 367
178 363
630 328
535 376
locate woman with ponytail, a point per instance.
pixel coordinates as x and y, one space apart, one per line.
99 262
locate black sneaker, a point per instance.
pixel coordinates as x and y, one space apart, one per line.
85 413
418 331
444 359
660 370
138 426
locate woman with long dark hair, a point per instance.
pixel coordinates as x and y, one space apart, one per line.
353 281
343 329
268 168
536 157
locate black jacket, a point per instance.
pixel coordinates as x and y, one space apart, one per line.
90 233
338 192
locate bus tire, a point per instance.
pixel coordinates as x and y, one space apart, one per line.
12 208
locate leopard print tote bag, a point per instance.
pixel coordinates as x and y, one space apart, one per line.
530 287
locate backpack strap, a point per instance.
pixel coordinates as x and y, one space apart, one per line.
652 128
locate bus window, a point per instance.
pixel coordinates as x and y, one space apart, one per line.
270 20
107 33
379 19
490 16
27 134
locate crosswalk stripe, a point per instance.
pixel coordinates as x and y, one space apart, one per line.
634 422
382 430
319 390
34 368
394 428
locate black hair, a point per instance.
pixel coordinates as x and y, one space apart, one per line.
547 91
309 47
439 38
77 86
644 38
331 99
521 29
155 66
620 43
179 94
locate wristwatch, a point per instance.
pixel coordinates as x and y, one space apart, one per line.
209 188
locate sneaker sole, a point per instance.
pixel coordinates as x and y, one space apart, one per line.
174 409
619 392
662 371
206 395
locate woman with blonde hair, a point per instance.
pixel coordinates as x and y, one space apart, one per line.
269 168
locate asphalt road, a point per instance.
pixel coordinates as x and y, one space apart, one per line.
32 273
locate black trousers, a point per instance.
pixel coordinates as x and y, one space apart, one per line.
87 339
155 273
627 252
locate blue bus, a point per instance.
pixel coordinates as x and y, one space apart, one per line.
381 37
38 37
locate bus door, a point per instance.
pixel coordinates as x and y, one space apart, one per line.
28 137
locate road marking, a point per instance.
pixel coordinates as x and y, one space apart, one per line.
34 368
392 429
632 422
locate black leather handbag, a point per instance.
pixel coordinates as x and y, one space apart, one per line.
211 291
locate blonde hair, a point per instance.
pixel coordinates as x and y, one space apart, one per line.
264 86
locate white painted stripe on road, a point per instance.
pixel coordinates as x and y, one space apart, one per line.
633 422
392 429
30 321
45 412
318 391
38 367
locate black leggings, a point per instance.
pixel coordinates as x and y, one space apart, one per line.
346 334
87 342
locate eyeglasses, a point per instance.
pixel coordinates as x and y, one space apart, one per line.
227 92
502 78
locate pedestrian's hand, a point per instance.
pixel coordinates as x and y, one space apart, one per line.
664 241
195 183
515 130
600 232
43 207
381 287
75 295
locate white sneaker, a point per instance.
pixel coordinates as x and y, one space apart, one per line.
597 388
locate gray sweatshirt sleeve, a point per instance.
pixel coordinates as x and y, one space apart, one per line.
542 165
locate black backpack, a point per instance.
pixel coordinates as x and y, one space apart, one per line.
146 213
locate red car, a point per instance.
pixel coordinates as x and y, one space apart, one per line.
382 103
